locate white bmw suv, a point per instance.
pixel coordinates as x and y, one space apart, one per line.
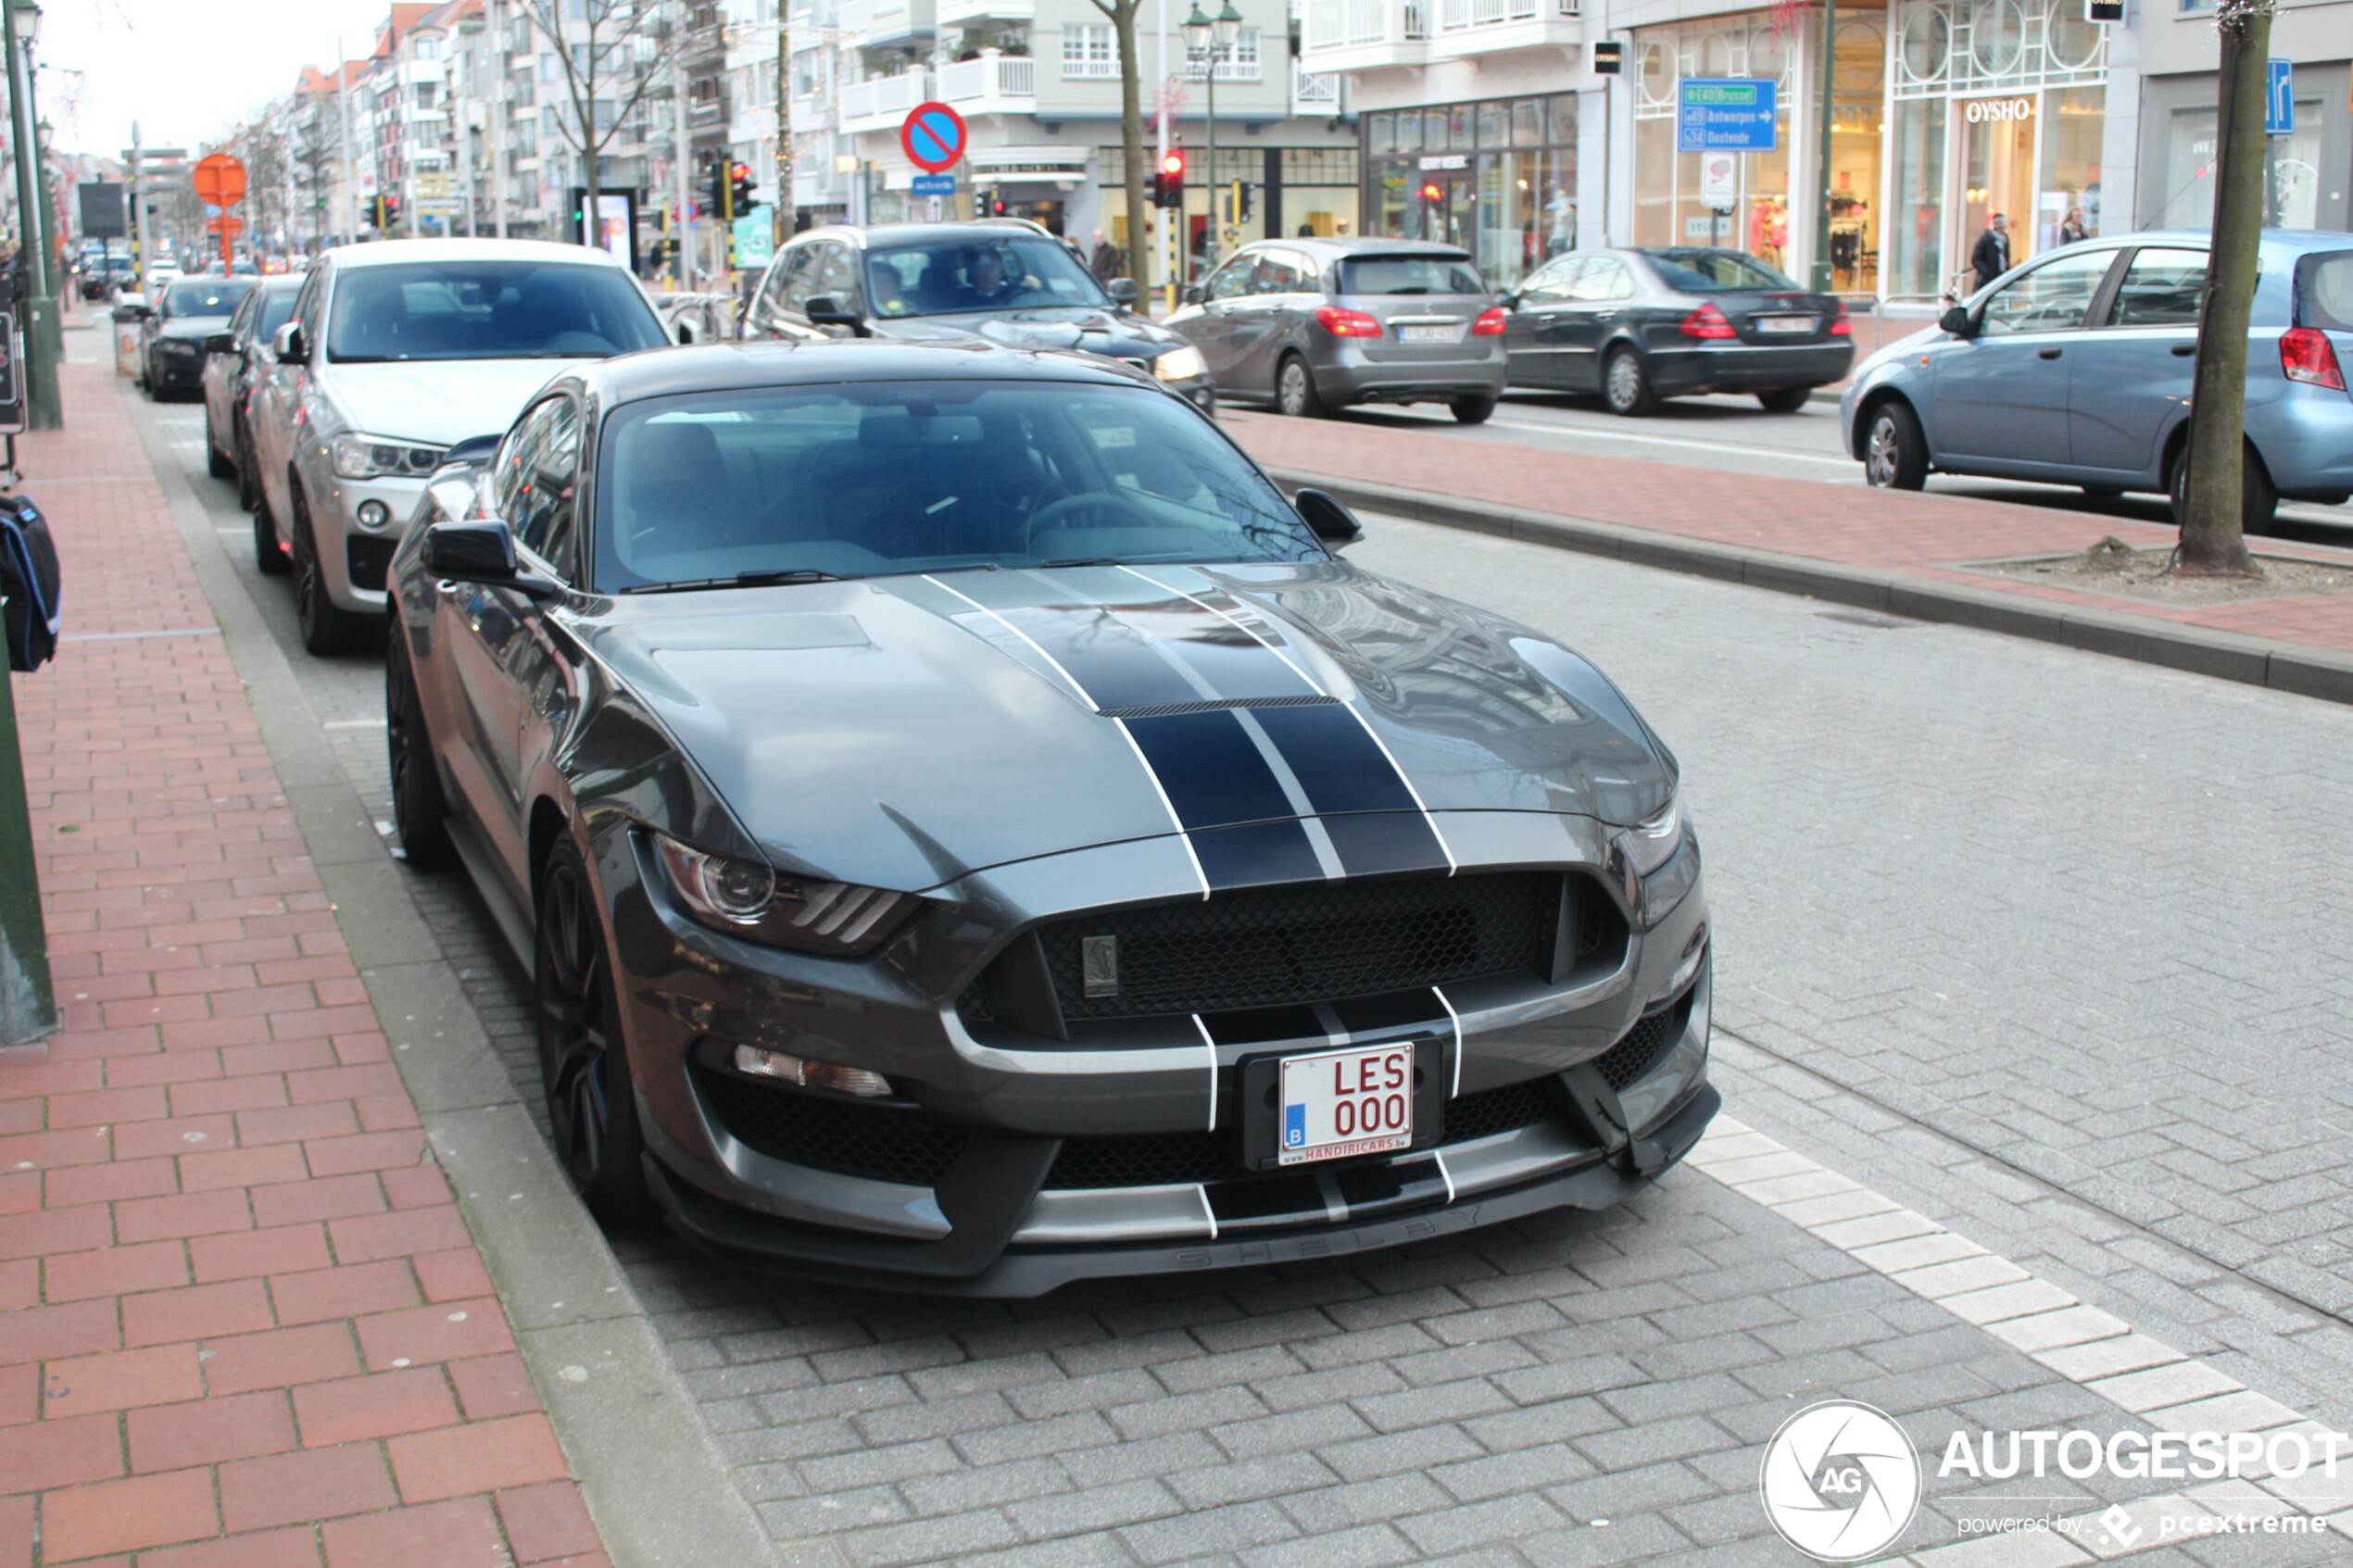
396 351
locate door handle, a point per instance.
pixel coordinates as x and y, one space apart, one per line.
1604 314
2046 353
2183 350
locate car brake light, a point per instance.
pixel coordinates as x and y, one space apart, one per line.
1347 323
1840 325
1490 323
2305 355
1707 321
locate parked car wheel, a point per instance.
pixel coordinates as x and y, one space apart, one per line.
240 453
591 1106
1895 453
1473 411
214 463
327 628
2259 498
1295 390
1786 399
1625 386
420 811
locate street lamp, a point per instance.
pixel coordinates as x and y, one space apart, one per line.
1209 42
44 342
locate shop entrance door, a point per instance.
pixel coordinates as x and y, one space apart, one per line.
1445 207
1997 170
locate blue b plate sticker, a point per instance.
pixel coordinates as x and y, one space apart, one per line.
1355 1100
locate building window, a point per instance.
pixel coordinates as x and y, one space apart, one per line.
1089 50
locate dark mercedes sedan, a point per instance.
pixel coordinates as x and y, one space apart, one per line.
1641 325
970 830
172 337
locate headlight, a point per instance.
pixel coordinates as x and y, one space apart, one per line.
377 457
1180 364
1652 844
747 899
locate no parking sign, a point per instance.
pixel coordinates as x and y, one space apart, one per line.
933 137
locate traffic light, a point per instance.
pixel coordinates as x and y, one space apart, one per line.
740 189
392 214
1168 186
996 203
714 190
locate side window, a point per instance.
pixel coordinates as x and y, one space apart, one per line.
793 278
1280 271
1232 281
1552 281
543 512
2161 288
517 456
311 305
1603 277
2053 297
242 316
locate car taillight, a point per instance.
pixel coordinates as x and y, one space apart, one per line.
1341 322
2305 355
1707 321
1490 323
1840 325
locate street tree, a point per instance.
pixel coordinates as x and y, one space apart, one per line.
604 48
1131 133
2214 536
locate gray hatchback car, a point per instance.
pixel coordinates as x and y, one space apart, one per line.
1311 325
2075 369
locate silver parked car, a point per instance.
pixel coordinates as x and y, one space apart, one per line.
2076 369
1312 325
396 351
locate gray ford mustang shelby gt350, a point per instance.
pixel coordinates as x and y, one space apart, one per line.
971 834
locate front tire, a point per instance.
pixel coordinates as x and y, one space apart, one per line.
1895 452
327 628
1625 386
592 1106
1786 399
241 454
269 553
1295 390
1473 411
420 809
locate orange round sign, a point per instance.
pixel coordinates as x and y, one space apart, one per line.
219 180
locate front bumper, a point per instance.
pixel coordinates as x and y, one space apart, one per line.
1739 367
168 372
1005 1166
352 558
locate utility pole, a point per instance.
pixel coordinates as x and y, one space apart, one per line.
498 37
683 230
138 213
28 1004
43 335
785 211
350 176
1822 198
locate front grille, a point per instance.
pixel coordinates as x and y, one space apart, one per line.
1624 1063
1309 942
366 555
1163 1158
879 1142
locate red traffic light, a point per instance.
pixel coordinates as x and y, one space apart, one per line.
741 171
1173 165
1431 193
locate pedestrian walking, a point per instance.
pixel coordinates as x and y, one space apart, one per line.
1108 261
1991 256
2072 229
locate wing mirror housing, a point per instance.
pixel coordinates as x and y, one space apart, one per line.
824 310
1195 293
1958 321
481 550
1324 512
1123 292
221 343
288 344
1510 301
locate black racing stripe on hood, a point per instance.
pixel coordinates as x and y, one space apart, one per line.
1337 764
1213 772
1256 855
1384 843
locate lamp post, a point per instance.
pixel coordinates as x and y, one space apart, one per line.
1822 279
1209 44
44 338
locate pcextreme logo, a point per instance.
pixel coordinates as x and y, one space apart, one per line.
1839 1481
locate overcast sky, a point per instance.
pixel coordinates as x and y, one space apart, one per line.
184 70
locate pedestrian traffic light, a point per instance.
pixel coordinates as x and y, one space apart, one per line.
1168 186
739 188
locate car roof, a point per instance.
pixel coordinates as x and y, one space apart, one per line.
971 232
728 367
1356 245
386 253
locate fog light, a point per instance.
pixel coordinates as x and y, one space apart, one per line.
1686 967
809 1075
373 514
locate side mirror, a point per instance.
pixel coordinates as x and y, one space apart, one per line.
1195 293
1510 301
824 310
481 550
288 344
1958 321
686 333
1122 291
1321 512
221 343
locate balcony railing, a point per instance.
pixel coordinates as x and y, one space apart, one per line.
1311 93
989 77
1458 14
880 102
960 13
1337 24
886 18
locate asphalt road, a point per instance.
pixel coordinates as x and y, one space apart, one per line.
2047 946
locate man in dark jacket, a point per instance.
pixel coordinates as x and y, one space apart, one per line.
1991 257
1107 262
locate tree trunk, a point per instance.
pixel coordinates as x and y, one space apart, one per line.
2212 539
1131 136
589 145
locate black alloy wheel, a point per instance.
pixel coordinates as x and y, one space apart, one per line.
1295 390
326 627
1786 399
591 1107
1625 386
420 809
1895 452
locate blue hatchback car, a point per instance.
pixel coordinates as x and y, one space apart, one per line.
2075 367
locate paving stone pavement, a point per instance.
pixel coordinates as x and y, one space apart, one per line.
2042 944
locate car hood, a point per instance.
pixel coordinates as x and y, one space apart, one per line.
904 732
192 329
1112 333
438 402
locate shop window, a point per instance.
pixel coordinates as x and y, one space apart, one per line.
1914 241
2067 203
2189 172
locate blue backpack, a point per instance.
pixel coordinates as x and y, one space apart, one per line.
29 582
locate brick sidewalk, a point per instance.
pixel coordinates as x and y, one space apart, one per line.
242 1322
1919 534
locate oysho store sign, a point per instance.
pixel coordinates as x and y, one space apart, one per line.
1983 111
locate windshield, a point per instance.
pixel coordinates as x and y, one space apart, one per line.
1715 271
952 277
208 297
488 310
1408 274
870 478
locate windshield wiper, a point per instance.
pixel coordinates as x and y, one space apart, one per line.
1080 561
768 578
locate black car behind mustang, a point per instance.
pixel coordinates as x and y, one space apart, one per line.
971 833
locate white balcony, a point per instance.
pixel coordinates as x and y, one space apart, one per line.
879 22
1365 34
1314 95
994 84
819 187
880 103
1486 27
974 13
